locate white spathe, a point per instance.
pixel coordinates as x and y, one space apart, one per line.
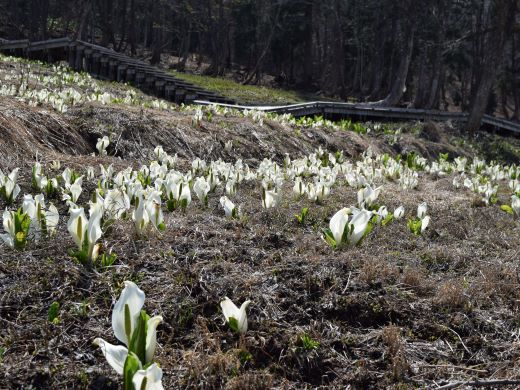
399 212
77 226
201 188
421 210
115 354
228 206
130 302
338 223
151 336
360 220
152 377
515 204
230 310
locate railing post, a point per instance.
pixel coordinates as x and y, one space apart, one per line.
79 65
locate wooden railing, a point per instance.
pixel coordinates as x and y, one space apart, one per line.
107 64
368 111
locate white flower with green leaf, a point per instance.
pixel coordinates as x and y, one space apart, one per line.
229 207
85 234
102 144
17 225
345 230
138 332
201 188
235 317
9 189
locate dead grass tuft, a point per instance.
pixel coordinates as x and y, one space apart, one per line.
378 271
391 336
451 294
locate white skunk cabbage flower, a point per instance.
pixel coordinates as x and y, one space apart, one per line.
399 212
352 232
140 215
42 221
94 233
125 317
55 165
85 232
312 194
153 207
212 180
229 207
185 193
367 196
338 223
9 227
116 203
8 186
97 204
299 187
52 217
115 354
382 214
150 378
425 221
270 198
126 312
75 191
198 165
421 210
235 317
91 173
77 226
515 204
102 144
322 190
231 187
358 225
201 188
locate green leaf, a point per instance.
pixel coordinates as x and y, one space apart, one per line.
108 260
132 365
415 226
233 324
387 220
171 205
52 314
138 341
302 216
329 238
506 208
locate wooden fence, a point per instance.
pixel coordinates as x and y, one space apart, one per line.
106 64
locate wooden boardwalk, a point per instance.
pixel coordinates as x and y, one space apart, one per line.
362 111
106 64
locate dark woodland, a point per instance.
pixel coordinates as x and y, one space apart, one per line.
452 55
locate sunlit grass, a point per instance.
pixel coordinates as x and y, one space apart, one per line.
248 94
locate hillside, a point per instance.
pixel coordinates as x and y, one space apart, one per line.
398 310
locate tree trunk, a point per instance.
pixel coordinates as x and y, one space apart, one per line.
399 85
504 15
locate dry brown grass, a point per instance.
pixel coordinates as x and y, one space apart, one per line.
397 309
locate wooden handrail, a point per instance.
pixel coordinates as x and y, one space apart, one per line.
163 83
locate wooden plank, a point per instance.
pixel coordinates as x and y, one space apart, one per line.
13 45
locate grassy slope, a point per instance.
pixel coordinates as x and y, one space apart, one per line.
247 94
399 311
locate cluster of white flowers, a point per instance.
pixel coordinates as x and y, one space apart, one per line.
61 88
